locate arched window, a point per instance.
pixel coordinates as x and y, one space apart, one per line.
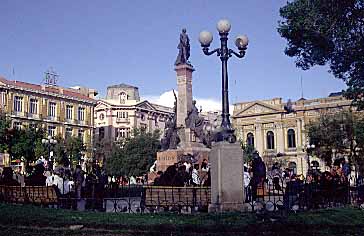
270 140
292 166
250 139
123 97
315 165
291 138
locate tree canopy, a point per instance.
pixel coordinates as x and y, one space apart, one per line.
339 133
328 32
134 155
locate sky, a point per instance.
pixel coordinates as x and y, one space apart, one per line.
105 42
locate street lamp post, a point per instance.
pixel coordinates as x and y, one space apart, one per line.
308 148
223 26
49 141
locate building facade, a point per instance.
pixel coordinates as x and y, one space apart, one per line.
280 136
122 111
60 111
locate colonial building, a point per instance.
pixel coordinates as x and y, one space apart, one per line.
60 111
122 110
278 135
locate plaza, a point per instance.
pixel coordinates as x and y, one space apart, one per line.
184 113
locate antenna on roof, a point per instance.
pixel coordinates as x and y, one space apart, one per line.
51 77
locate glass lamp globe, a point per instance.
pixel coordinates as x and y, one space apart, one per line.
241 41
223 26
205 38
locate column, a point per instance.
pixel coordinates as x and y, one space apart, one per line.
184 85
259 138
280 137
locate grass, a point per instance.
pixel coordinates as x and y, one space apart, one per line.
32 220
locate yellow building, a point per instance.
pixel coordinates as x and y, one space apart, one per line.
61 111
280 136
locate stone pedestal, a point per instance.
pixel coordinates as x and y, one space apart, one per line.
169 157
184 85
227 192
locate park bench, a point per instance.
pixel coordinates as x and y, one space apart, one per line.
43 195
163 196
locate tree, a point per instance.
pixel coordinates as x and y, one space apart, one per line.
74 148
4 132
248 151
341 132
134 155
328 32
25 142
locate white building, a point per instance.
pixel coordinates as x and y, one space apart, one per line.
122 111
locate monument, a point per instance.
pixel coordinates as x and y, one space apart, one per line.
184 135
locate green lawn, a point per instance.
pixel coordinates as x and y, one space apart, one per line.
31 220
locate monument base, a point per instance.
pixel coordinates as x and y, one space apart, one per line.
170 157
227 191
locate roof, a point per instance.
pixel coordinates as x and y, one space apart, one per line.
122 85
45 88
335 94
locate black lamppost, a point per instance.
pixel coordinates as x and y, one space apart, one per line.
223 26
49 141
309 148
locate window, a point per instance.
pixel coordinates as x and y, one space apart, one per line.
52 109
18 104
51 130
270 140
123 97
33 107
81 113
292 166
291 138
69 112
250 139
69 132
122 133
3 99
17 125
81 134
101 133
122 114
315 165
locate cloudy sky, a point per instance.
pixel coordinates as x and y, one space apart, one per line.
100 43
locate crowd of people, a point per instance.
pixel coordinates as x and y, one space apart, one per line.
315 189
184 173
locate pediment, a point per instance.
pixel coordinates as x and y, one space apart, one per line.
257 108
102 105
145 105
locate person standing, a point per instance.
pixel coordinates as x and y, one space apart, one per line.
78 178
195 177
259 174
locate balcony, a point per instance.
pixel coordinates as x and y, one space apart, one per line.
34 116
122 120
18 114
82 122
53 118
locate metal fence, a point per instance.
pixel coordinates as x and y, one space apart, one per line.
274 195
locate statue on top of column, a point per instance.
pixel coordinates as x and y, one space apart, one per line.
184 49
